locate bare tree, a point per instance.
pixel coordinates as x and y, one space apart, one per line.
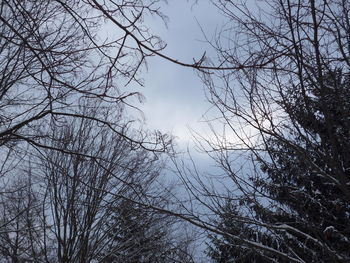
94 205
21 227
276 80
54 59
53 54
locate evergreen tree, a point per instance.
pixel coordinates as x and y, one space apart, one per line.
301 177
137 235
227 249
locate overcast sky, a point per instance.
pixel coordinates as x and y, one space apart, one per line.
175 99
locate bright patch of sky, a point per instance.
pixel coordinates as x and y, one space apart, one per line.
175 99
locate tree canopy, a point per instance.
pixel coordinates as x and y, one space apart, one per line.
82 180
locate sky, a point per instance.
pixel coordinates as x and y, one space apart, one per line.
175 99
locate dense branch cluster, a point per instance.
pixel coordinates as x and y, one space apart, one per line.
78 180
81 181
